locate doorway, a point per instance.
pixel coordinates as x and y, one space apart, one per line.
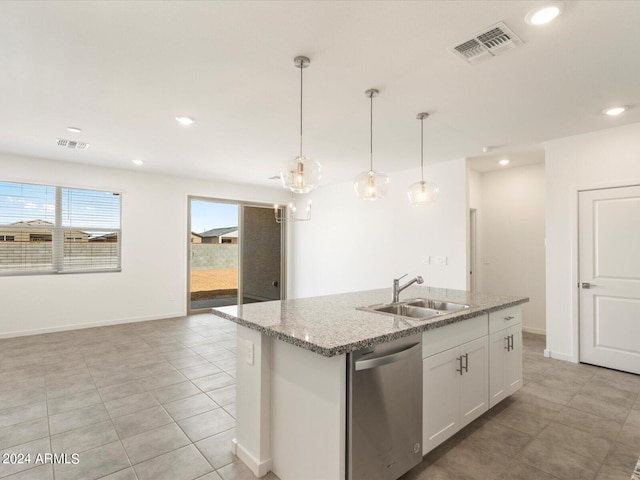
235 254
609 277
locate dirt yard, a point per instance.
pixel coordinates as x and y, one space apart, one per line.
206 280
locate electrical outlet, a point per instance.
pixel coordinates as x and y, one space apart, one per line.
441 260
250 353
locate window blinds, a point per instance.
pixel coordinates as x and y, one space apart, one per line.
51 229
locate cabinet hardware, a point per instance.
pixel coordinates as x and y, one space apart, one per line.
509 317
508 344
511 342
459 369
466 363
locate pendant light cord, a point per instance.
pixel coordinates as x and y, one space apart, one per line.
422 150
301 68
371 134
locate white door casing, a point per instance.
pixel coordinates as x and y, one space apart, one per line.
609 252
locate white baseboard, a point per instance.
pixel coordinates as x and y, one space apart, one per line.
259 469
558 356
76 326
537 331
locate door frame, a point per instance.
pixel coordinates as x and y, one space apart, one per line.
241 204
473 250
575 264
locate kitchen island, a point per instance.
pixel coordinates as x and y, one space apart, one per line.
292 364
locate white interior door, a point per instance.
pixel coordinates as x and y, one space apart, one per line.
609 239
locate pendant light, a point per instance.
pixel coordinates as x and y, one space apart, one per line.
422 193
300 174
288 213
371 185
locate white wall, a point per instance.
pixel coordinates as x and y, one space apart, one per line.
152 283
511 256
595 160
351 244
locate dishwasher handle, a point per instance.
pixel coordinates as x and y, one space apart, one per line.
387 359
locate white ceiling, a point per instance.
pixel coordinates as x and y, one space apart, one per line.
518 156
123 70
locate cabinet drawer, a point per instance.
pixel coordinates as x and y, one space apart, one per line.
443 338
502 319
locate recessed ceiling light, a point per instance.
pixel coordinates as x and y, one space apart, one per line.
137 161
74 129
185 120
613 111
544 15
504 162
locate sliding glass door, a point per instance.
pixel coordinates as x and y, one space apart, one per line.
235 254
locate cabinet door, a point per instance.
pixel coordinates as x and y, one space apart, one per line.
474 382
498 367
441 384
514 363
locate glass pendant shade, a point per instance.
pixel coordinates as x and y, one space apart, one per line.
301 174
371 185
423 193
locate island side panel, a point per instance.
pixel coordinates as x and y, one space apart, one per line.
253 404
308 408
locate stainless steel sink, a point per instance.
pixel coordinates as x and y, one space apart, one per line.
416 308
405 310
436 304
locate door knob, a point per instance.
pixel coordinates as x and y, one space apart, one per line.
587 285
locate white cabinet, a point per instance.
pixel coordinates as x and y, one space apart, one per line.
505 353
455 390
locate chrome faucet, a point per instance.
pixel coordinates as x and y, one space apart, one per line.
397 288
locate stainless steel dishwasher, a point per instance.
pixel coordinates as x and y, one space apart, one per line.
384 423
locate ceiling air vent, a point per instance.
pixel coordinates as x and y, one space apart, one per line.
72 144
495 40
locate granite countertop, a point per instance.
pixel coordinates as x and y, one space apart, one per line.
330 325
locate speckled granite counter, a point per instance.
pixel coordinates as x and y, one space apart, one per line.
330 325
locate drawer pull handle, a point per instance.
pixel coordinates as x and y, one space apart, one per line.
509 317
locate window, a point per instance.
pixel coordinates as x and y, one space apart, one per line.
58 230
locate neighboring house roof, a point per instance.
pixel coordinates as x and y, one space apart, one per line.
32 222
104 237
196 234
43 223
217 232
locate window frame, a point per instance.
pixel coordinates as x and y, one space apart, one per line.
58 234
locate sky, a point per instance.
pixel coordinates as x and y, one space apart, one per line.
206 215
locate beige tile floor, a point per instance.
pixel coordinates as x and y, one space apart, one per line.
156 400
